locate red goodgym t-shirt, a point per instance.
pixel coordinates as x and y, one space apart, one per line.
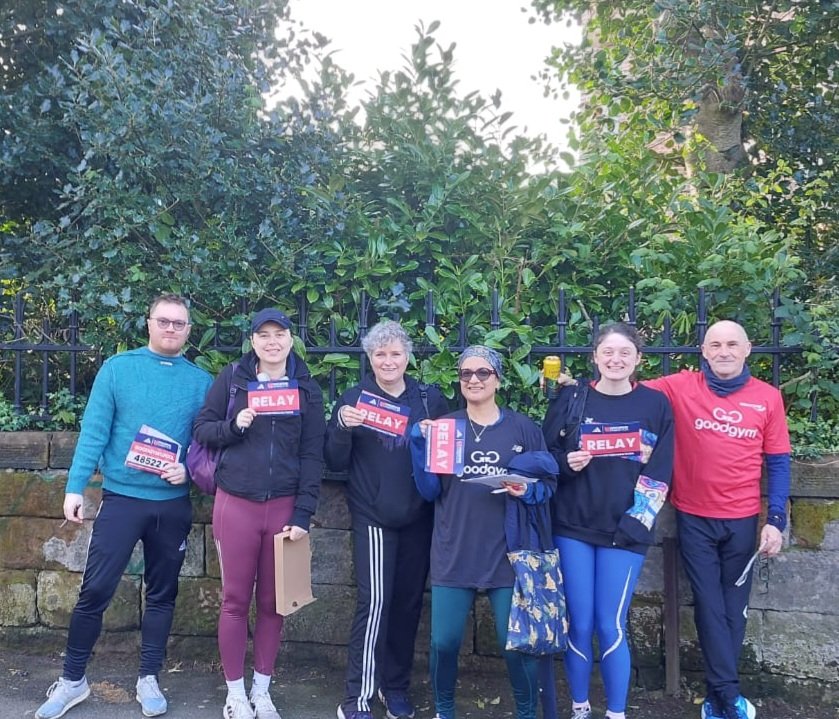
720 443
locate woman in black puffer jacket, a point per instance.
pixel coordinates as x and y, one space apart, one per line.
268 479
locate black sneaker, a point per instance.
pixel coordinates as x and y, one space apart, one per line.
397 705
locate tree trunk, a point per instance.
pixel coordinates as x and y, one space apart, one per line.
719 121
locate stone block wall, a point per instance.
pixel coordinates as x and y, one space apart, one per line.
792 645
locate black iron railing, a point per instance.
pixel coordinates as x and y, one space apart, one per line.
19 348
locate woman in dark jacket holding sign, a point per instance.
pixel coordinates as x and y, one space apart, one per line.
613 440
368 437
268 479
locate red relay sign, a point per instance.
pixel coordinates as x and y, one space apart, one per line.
602 439
382 415
279 397
445 446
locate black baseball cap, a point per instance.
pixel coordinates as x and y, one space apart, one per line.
270 314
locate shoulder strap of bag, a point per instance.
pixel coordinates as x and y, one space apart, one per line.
576 409
232 391
423 390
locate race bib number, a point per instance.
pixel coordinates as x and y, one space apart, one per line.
445 446
279 397
383 416
151 451
603 439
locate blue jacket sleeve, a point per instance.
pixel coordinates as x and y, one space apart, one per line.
428 483
535 461
777 487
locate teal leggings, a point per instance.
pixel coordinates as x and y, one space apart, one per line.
449 610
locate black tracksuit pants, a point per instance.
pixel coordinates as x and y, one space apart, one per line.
714 553
163 526
391 567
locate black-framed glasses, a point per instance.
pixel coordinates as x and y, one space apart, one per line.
482 373
164 322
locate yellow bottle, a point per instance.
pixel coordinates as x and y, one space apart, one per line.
551 367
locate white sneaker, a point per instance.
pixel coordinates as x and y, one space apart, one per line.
237 707
150 697
62 696
263 707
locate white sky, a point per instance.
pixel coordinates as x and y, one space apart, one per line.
496 48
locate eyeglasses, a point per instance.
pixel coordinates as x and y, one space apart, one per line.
164 323
483 374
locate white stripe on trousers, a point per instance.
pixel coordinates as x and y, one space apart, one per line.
618 613
375 551
90 539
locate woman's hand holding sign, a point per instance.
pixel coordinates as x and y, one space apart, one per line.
578 460
245 418
424 425
351 416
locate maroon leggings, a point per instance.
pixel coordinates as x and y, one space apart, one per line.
244 535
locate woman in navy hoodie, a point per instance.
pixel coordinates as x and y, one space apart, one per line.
613 440
391 522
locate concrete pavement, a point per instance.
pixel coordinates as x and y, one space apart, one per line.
299 691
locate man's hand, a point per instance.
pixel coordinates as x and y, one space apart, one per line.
771 541
295 532
74 508
174 473
561 381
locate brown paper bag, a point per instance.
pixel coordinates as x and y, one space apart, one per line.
293 573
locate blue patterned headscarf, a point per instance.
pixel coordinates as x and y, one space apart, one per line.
485 353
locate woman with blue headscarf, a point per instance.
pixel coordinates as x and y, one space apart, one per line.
469 545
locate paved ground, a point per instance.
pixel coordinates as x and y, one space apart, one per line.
300 693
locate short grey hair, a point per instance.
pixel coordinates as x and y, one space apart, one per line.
383 333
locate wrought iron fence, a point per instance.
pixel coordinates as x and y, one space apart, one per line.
58 351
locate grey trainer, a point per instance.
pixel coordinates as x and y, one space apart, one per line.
150 697
62 696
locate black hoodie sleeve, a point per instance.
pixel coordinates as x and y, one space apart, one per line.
637 523
555 429
311 455
211 427
337 449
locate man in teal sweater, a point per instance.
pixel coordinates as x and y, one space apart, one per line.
140 409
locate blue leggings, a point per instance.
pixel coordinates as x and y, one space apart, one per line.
599 582
449 610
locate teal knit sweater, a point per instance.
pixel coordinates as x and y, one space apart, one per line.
132 389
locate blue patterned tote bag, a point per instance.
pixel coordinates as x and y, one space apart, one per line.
538 624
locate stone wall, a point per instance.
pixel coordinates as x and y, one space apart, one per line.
792 647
